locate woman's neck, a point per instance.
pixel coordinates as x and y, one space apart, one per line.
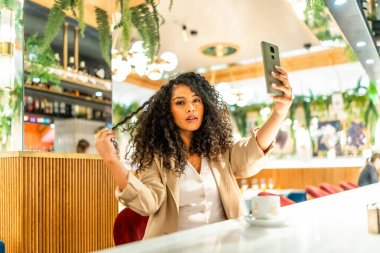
186 138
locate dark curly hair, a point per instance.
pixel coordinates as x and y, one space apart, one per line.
155 133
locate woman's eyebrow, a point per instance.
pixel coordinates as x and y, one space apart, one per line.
178 98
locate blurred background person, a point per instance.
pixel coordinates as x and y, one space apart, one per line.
370 174
83 146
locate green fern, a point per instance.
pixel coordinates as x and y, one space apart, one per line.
55 20
104 34
125 23
81 23
146 24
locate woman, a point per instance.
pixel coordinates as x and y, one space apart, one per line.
369 174
185 158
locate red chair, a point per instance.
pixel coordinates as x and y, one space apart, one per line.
316 192
283 200
331 189
345 185
352 184
129 226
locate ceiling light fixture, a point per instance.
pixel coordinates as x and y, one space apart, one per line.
340 2
219 49
361 44
370 61
137 61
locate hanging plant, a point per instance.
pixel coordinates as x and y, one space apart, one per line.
144 17
104 34
40 63
371 114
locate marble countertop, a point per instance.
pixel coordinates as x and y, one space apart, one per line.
335 223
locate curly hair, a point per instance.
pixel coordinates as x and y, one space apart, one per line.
155 133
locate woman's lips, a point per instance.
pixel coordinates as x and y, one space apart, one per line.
191 118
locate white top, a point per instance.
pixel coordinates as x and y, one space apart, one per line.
335 223
199 200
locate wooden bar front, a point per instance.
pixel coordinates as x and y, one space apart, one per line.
51 202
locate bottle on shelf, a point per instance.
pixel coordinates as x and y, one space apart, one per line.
71 65
82 67
57 59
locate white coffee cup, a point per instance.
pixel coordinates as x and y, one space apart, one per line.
265 207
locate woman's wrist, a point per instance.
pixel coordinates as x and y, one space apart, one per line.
281 115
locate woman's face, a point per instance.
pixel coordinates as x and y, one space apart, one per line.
186 108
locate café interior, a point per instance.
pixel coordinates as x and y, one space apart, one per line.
71 68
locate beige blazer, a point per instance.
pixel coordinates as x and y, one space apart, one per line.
155 192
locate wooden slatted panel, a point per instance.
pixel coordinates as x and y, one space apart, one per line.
50 204
10 204
299 178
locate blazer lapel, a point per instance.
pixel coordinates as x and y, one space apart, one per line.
223 186
172 181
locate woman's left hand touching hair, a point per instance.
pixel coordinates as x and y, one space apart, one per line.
282 103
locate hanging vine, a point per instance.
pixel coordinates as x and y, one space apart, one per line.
144 17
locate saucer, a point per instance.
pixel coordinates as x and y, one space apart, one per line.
276 222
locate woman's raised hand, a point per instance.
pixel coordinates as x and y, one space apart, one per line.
282 103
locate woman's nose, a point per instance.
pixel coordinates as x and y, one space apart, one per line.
191 108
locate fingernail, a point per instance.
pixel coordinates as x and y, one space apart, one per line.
273 73
276 66
273 85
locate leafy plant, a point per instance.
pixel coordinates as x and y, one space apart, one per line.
146 21
125 23
119 111
55 20
144 17
317 19
57 16
371 114
104 34
40 63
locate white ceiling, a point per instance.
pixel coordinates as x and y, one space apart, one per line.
245 23
242 22
325 80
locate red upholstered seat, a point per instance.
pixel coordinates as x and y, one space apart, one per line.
329 188
315 192
345 185
283 200
129 226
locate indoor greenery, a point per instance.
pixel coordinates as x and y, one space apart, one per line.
11 102
360 98
317 18
119 111
40 62
143 17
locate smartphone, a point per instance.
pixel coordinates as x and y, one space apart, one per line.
271 58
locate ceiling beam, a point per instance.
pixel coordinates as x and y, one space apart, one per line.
318 59
312 60
144 81
89 8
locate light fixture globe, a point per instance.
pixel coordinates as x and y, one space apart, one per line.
170 61
120 69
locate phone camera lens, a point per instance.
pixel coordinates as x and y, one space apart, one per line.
272 50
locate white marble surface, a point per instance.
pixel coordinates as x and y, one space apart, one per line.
332 224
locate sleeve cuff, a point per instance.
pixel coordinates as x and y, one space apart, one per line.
130 192
271 146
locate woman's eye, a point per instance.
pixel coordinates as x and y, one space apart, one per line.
179 103
197 100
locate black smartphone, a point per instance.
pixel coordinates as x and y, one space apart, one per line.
271 59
